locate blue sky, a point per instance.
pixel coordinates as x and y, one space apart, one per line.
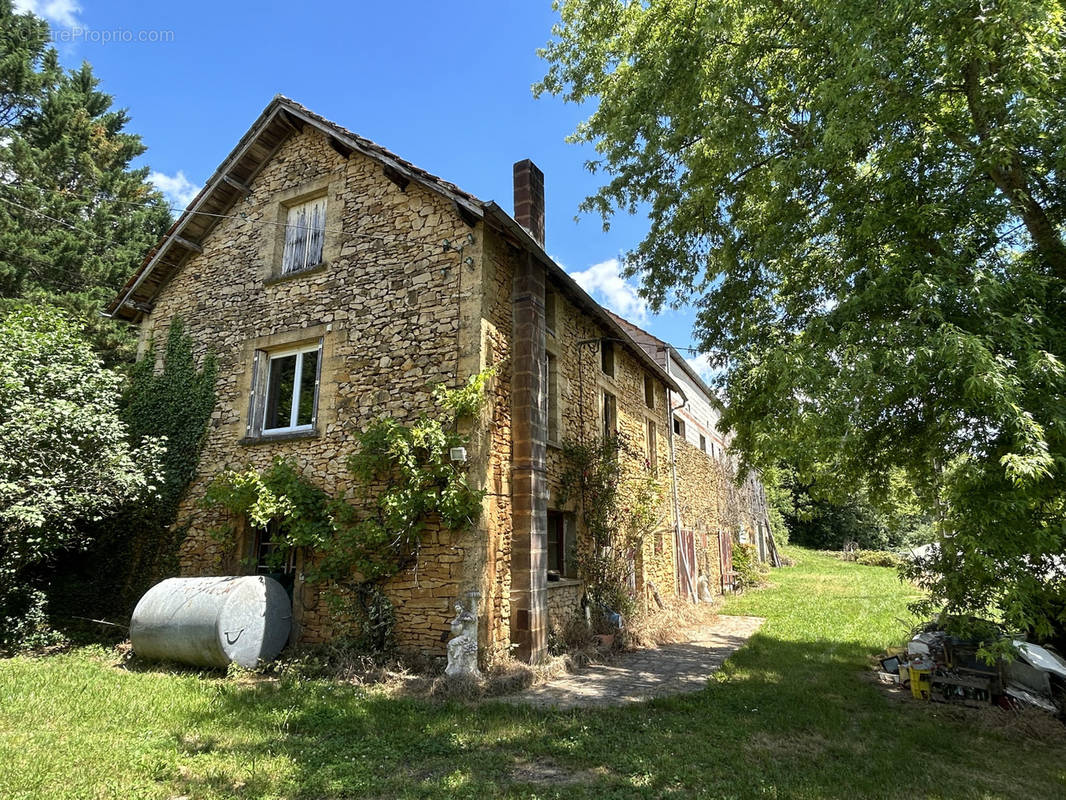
445 85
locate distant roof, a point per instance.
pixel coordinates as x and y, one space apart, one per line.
230 181
712 396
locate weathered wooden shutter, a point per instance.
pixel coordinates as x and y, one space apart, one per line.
316 232
295 240
318 383
253 427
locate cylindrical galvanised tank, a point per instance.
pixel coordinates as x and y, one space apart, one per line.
209 622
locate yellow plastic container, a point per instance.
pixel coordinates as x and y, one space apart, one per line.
921 683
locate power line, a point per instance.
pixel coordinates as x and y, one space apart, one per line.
242 217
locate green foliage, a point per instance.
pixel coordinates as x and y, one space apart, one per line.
407 479
798 689
828 523
137 547
780 505
867 201
75 219
619 508
749 570
878 558
65 458
303 513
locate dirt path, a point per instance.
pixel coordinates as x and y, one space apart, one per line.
641 675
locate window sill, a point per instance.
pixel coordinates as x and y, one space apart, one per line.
322 266
554 444
252 441
564 582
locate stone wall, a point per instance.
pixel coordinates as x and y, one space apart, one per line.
387 305
580 386
396 313
702 489
564 603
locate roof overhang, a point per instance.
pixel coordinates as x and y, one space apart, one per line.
231 181
573 290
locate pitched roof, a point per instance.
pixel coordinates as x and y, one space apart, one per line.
712 396
230 181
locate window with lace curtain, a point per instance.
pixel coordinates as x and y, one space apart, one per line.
305 234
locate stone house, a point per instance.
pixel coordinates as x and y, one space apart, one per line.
708 521
336 283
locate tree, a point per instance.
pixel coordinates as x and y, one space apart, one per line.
865 204
137 546
64 456
75 219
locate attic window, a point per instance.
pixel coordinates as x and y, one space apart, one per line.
607 357
305 234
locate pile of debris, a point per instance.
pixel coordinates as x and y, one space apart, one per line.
942 667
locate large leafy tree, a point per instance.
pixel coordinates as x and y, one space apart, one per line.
65 457
865 203
75 218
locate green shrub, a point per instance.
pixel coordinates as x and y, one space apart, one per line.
66 461
750 571
137 547
878 558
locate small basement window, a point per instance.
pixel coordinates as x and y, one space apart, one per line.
271 560
286 397
305 234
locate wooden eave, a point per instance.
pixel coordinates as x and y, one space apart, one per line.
232 181
522 238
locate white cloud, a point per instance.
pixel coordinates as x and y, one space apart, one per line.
62 11
702 365
178 189
605 283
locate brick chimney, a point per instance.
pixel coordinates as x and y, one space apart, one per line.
529 198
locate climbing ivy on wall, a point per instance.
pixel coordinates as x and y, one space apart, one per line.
139 545
620 508
406 479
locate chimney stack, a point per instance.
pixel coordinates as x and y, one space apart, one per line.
529 198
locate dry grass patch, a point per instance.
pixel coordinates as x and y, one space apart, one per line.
673 624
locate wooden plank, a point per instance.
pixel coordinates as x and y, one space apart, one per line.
341 148
396 176
196 247
236 184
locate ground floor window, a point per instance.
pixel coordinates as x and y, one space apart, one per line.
285 390
272 561
562 545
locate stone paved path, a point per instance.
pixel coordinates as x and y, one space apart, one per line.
641 675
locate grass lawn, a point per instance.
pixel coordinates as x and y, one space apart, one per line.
791 715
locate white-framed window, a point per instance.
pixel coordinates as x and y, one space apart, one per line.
305 234
286 394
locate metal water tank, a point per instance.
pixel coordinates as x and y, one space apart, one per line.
210 622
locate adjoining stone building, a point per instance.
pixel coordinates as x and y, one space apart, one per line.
712 510
336 283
